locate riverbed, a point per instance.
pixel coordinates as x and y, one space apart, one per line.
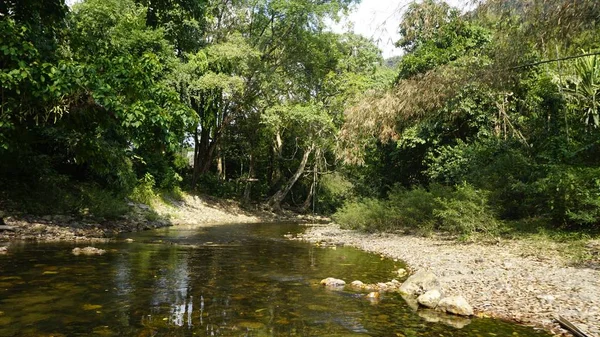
227 280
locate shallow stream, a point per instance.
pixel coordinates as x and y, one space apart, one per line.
236 280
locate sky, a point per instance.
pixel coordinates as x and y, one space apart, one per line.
378 19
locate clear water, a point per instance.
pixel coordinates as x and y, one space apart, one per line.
238 280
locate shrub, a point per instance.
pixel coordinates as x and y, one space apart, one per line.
144 190
461 210
102 203
368 215
571 195
465 211
333 190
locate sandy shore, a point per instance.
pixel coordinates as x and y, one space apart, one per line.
498 280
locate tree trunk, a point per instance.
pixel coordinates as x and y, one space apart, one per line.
196 159
277 198
276 160
313 187
248 187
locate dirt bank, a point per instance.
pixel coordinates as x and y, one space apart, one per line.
500 280
192 210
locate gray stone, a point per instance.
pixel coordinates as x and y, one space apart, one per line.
419 283
457 305
430 299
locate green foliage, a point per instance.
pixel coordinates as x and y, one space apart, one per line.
466 211
333 191
462 210
101 203
144 190
584 90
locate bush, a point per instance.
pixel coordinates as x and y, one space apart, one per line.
465 211
461 210
571 195
144 190
102 203
332 192
368 215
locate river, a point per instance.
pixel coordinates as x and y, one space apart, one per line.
229 280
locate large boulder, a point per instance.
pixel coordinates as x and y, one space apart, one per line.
331 282
419 283
430 299
457 305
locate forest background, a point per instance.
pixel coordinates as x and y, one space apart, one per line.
487 123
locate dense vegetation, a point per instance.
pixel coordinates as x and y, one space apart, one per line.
489 120
492 122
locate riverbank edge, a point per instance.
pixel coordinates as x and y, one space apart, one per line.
191 211
401 246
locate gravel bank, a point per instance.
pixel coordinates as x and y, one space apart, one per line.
497 280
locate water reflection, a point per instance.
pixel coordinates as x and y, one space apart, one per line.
225 281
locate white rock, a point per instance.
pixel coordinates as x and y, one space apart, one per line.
357 284
430 299
419 283
457 305
401 272
333 282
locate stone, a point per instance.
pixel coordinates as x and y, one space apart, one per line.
129 240
374 294
457 305
401 272
419 283
430 299
357 284
433 316
3 250
333 282
88 251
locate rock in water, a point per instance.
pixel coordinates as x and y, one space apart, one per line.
88 251
374 294
333 282
457 305
357 284
419 283
430 299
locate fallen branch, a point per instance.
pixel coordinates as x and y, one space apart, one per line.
569 326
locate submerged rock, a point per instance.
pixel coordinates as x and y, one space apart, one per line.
419 283
88 251
3 250
433 316
333 282
457 305
430 299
